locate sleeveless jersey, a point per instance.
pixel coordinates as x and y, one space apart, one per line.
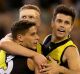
20 66
55 50
16 65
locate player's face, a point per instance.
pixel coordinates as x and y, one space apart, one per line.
31 38
62 25
31 15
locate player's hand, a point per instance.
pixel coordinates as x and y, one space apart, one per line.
40 59
50 68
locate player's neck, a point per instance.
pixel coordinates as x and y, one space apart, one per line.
57 40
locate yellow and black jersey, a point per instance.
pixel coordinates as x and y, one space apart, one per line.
55 50
16 65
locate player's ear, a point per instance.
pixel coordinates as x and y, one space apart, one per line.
71 27
20 37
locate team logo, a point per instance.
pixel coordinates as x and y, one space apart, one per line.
9 62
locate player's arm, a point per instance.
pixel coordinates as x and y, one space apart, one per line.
10 46
73 59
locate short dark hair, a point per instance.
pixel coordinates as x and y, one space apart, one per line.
29 6
64 10
20 27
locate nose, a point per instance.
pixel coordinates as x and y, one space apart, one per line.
37 37
62 24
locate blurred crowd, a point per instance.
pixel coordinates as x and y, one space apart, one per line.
9 13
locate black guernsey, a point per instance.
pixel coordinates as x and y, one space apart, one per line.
20 66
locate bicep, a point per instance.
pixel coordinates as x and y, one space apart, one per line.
73 59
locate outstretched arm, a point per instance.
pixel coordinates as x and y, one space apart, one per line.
10 46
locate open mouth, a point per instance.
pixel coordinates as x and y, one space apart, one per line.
61 30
